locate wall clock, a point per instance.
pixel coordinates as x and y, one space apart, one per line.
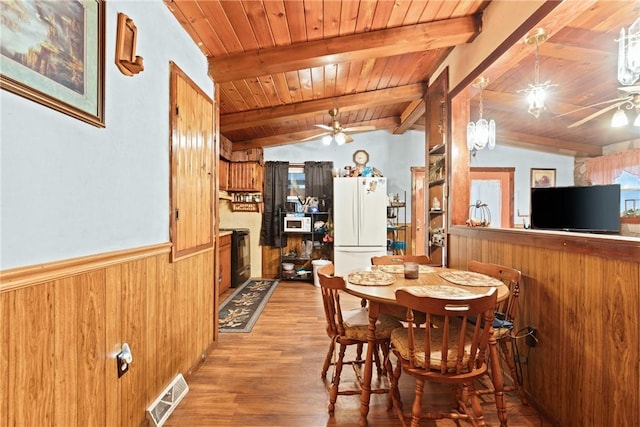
361 158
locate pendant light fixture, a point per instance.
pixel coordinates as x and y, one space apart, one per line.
482 133
536 92
629 54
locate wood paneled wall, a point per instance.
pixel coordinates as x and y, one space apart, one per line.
583 296
62 324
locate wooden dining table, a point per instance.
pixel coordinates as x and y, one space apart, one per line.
378 286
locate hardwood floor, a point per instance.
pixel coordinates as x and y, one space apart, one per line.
271 376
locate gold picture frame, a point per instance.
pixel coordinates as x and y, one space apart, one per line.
543 178
57 62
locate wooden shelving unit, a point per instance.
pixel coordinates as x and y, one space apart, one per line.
293 253
436 193
396 230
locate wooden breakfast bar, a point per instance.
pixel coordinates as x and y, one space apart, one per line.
378 290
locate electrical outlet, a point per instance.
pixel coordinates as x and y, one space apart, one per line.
124 359
532 337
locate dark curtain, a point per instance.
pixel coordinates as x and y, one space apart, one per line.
275 196
318 182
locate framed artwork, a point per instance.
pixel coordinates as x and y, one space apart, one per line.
58 61
543 177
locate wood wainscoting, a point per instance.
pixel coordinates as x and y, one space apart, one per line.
62 324
582 293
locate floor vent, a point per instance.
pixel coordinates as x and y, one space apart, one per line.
163 406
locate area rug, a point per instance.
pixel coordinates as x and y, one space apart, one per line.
240 311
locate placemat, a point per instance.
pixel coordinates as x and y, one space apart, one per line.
470 278
443 292
370 278
399 269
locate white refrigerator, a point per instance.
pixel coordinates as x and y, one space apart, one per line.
359 221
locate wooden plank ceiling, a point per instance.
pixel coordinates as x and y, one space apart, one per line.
280 66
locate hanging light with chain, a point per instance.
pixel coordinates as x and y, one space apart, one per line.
482 133
536 92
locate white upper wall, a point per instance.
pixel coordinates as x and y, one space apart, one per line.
70 189
523 161
393 155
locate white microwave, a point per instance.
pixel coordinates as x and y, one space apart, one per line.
297 223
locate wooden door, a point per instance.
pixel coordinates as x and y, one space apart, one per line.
496 187
192 166
418 220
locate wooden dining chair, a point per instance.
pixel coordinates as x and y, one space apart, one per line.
399 259
505 317
349 328
448 354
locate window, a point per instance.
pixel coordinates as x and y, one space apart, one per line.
620 168
296 182
295 188
629 193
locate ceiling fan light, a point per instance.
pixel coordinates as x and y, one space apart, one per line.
326 140
619 119
636 122
340 139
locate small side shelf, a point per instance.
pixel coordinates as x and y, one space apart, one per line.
396 230
436 182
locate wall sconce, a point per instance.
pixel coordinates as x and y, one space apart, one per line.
482 133
126 60
629 54
536 92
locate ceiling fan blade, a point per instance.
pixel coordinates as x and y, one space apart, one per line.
593 105
598 113
359 129
347 138
320 135
325 127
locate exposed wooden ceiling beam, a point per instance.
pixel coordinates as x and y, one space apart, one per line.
229 122
410 115
296 137
373 44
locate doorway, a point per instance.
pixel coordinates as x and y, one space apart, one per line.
494 187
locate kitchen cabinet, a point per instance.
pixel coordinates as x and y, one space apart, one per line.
223 175
245 176
225 262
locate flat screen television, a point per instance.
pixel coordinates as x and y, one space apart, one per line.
591 209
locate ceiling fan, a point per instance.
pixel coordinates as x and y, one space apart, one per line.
629 99
335 132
